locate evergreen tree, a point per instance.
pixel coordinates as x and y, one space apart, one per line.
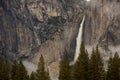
32 76
64 73
18 71
47 75
96 69
15 71
113 72
23 75
80 68
4 70
41 74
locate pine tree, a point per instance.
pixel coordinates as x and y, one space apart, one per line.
64 73
18 71
96 70
113 72
47 75
23 75
15 71
33 76
80 68
108 76
41 74
4 69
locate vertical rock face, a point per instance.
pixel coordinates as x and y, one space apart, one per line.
102 23
16 31
60 29
43 9
29 28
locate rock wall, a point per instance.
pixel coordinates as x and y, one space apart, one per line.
29 28
16 31
102 23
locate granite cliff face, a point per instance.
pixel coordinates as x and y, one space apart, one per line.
29 28
103 23
16 31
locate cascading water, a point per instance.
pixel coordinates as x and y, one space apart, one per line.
78 40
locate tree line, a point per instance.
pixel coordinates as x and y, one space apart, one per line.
91 68
17 71
85 68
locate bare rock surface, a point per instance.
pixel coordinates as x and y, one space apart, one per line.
30 28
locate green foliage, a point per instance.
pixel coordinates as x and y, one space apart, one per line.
18 71
47 75
96 69
83 69
113 72
4 70
23 75
41 74
33 76
64 73
15 71
80 69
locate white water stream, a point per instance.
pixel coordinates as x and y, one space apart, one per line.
78 41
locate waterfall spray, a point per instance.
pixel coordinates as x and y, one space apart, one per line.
78 41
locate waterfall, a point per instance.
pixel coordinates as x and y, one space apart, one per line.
78 41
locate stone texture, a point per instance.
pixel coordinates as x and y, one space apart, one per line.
29 28
102 18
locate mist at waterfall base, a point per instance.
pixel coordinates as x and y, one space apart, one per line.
78 42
